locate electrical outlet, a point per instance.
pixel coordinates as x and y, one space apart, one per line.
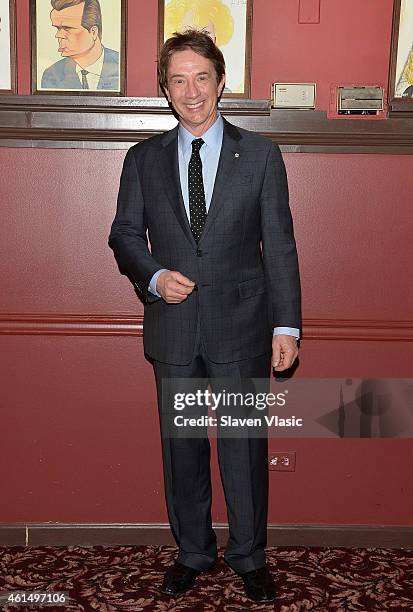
282 461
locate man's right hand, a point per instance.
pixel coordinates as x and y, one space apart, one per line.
174 287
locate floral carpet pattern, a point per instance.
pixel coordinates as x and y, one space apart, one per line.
127 578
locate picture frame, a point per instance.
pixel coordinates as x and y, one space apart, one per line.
229 22
401 58
8 50
59 64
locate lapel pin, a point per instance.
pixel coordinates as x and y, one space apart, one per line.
236 154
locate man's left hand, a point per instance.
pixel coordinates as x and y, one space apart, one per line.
284 352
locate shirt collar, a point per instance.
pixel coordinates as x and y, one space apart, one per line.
212 137
95 68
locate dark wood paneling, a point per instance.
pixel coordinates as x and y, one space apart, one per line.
13 535
122 104
25 119
354 536
60 534
99 535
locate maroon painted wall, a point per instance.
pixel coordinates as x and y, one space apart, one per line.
82 439
79 421
351 44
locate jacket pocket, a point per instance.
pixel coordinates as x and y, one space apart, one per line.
242 180
252 287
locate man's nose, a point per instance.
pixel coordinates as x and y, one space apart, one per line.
60 34
192 89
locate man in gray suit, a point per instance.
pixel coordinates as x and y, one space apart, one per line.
221 293
86 64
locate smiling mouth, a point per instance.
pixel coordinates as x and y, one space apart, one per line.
195 106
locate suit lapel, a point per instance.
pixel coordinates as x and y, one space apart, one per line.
110 72
225 170
168 160
70 76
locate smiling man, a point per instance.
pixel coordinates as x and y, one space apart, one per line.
87 64
221 290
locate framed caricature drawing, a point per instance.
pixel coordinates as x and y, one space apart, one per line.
228 22
78 46
401 64
7 46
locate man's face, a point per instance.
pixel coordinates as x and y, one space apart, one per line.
193 90
74 39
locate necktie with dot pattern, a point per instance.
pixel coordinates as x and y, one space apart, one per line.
197 205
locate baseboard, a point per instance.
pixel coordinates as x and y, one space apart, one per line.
124 534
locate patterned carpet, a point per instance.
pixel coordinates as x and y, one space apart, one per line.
126 578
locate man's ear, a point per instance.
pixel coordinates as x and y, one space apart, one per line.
94 31
221 86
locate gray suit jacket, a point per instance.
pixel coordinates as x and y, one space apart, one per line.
63 75
243 291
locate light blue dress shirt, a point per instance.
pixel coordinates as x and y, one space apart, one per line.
209 152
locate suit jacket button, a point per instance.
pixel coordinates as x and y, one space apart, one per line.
198 253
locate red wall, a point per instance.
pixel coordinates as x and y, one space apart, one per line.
80 430
84 407
353 232
351 44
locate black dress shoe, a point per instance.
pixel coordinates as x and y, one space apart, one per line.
259 585
178 579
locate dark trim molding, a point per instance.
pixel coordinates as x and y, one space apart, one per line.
353 329
86 324
72 534
123 104
73 122
71 325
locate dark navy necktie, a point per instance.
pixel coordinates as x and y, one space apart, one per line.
197 204
85 84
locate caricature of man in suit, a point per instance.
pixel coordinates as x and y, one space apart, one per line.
86 63
221 293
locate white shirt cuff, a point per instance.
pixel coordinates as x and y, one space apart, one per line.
152 283
288 331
